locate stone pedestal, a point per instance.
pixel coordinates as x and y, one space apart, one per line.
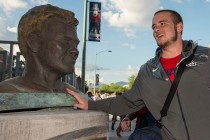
54 124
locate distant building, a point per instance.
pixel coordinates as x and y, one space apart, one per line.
1 57
3 67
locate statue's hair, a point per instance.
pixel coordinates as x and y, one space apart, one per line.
31 22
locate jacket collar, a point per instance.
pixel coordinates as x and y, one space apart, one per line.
157 68
187 50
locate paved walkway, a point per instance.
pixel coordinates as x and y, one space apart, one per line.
112 133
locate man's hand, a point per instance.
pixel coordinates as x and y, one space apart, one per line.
82 102
118 130
125 124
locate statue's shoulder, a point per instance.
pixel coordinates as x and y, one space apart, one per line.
67 85
9 86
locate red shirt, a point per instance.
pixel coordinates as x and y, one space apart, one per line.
140 113
169 65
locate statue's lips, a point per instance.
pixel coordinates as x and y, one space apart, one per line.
74 60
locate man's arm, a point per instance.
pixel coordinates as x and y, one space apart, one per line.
127 103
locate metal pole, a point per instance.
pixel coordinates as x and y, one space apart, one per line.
84 48
94 92
95 69
4 66
10 60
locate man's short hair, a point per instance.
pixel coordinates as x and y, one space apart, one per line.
31 22
176 17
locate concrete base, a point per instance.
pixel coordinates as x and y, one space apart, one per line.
54 124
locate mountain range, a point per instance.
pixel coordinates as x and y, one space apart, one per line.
121 83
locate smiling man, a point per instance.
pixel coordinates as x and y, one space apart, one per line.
188 115
48 41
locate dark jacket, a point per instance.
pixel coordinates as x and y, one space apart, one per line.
190 105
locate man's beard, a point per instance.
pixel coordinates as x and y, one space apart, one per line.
170 41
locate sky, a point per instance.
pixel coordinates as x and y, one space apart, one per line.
125 30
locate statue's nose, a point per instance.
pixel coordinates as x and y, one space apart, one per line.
75 54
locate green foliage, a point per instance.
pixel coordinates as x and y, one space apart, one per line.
131 80
104 89
112 88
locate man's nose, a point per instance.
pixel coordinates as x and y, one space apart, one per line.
157 28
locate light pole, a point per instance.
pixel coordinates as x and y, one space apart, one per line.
95 68
84 48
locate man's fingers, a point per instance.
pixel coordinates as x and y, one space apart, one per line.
71 92
82 102
77 96
79 106
118 131
125 125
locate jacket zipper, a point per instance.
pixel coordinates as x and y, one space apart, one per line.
179 102
183 117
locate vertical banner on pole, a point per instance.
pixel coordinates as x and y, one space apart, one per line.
94 21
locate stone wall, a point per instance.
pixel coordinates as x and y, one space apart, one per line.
54 124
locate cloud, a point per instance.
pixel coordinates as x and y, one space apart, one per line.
130 15
108 75
8 16
6 32
16 49
207 0
132 70
116 75
40 2
181 1
12 29
178 1
11 5
3 26
101 79
129 67
131 46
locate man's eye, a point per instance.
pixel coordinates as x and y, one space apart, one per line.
163 23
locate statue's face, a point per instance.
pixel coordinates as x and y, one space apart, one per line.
59 51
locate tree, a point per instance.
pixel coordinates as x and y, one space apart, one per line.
112 88
131 80
104 89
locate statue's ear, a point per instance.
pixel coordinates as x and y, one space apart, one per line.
33 42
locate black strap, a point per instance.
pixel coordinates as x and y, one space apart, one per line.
173 88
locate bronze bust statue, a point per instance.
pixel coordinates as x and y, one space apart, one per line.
48 40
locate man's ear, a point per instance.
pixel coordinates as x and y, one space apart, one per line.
33 42
180 27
